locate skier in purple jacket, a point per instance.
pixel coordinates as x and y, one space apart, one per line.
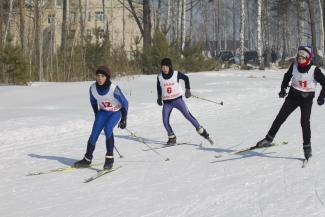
170 96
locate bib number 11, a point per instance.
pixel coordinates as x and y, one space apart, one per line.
303 84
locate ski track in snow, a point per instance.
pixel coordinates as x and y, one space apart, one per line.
41 134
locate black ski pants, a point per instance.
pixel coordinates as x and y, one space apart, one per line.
288 107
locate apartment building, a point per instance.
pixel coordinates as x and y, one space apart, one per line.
97 16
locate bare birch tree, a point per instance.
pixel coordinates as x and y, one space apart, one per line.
300 19
259 33
321 30
242 31
8 24
311 7
1 24
22 25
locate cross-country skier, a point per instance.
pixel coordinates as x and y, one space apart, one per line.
304 77
170 96
113 106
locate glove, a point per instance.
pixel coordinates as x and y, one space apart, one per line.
188 93
159 101
282 93
320 100
122 123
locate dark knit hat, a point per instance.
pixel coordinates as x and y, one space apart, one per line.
104 70
166 62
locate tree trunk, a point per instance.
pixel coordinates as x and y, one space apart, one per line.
1 24
82 19
64 24
248 28
219 25
190 24
242 31
321 33
234 25
284 37
183 23
259 34
300 18
158 15
205 23
146 24
39 38
22 25
123 34
8 25
313 29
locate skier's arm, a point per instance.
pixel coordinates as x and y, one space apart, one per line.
320 78
158 89
121 98
93 102
286 78
185 78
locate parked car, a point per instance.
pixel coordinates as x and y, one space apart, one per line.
226 56
251 57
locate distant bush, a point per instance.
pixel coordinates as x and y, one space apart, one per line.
14 67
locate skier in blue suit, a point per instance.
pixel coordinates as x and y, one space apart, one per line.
110 106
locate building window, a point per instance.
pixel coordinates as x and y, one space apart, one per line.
89 16
101 34
99 16
72 17
88 32
50 36
50 18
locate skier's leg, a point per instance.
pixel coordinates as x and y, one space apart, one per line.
98 125
110 142
287 108
305 125
181 106
166 111
111 123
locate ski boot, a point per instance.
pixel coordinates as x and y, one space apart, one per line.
85 162
171 139
307 151
266 142
109 161
204 134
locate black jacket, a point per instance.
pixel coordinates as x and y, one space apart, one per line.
294 93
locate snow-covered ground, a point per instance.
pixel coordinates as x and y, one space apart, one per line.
46 125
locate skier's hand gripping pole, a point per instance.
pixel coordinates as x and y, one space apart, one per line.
197 97
142 141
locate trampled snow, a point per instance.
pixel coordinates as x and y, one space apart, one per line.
46 125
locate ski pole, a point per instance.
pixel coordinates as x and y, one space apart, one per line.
197 97
121 156
142 141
